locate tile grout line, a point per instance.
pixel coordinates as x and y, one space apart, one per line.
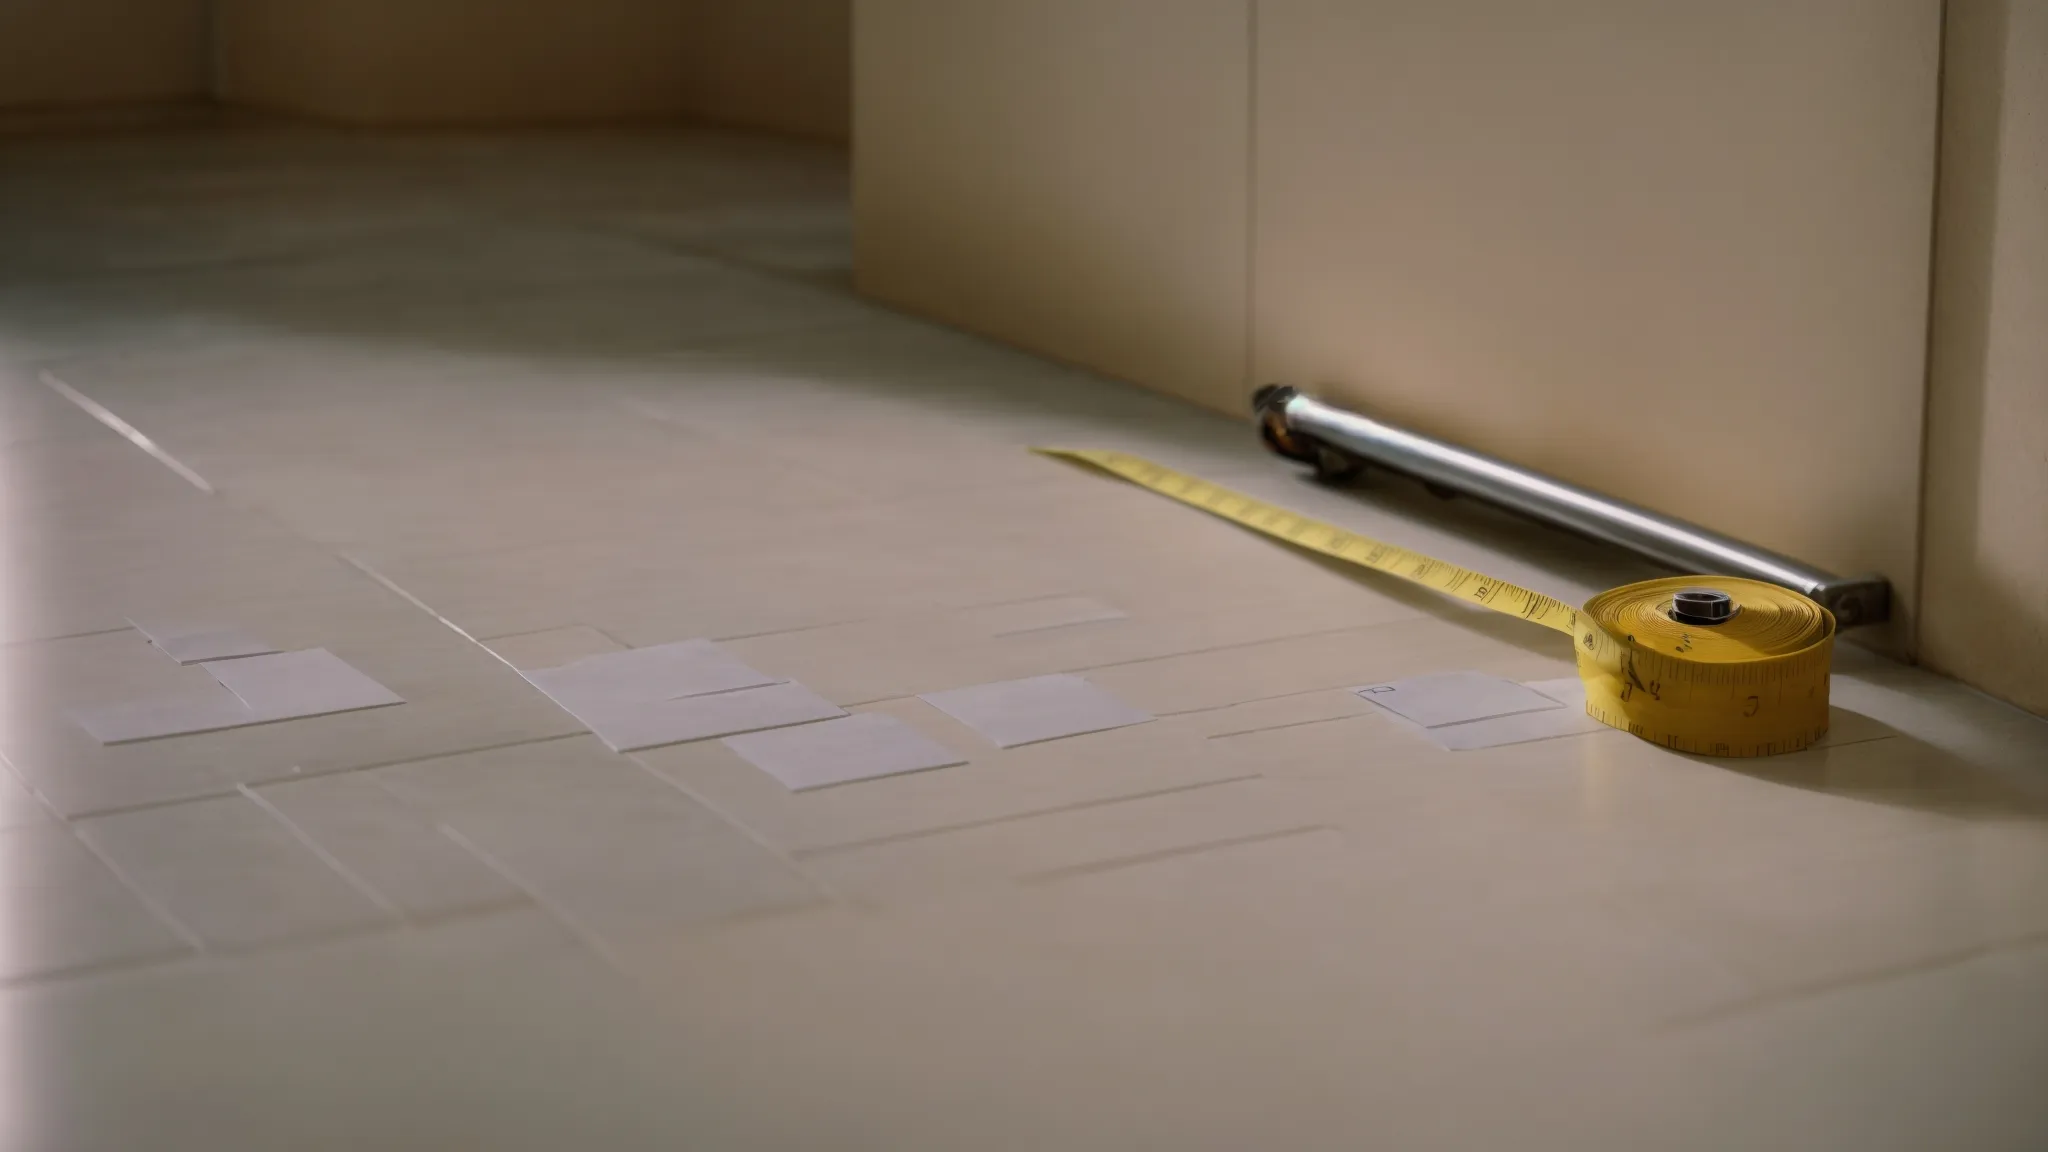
432 756
1823 742
795 631
588 936
392 587
126 430
730 692
16 774
576 928
788 858
1284 727
382 902
169 961
157 907
70 973
1172 715
153 805
1941 241
702 253
846 846
1264 700
523 634
1118 863
68 827
1077 670
25 642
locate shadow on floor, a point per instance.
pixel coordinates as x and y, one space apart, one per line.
1879 764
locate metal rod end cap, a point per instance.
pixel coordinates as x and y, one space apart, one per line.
1702 606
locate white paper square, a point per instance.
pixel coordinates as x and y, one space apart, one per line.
1014 712
860 747
1520 728
1455 698
293 685
197 644
651 724
255 690
1569 691
645 675
1569 719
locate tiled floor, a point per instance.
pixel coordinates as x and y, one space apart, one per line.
459 407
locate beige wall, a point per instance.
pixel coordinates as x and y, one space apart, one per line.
1985 615
777 64
1669 250
1518 225
784 65
72 52
1066 175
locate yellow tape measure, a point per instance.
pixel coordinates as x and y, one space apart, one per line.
1755 684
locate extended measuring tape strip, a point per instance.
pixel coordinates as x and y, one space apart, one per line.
1753 685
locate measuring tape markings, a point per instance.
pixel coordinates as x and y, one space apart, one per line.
1754 685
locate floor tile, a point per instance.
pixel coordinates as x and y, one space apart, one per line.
1839 1071
1865 907
1268 991
18 805
66 910
1041 615
1018 712
615 850
458 698
231 873
395 849
459 1036
993 784
1046 847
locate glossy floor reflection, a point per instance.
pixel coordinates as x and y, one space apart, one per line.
456 407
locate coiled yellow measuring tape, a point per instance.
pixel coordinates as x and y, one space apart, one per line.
1753 685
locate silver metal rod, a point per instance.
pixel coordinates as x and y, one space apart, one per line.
1335 440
